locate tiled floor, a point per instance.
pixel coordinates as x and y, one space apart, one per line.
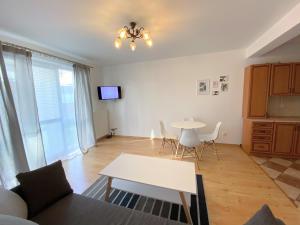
285 173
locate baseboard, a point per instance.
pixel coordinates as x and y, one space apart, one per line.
159 138
136 137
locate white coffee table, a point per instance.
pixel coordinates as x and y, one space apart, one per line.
164 173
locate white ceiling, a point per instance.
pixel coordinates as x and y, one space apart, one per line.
87 27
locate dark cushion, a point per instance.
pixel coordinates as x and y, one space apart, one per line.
264 217
44 186
80 210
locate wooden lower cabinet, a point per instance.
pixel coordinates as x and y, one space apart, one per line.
283 138
297 141
271 138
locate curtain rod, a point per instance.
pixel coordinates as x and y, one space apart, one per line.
40 52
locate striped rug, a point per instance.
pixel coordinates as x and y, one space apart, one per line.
155 207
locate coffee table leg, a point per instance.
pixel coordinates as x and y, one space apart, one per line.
108 189
186 208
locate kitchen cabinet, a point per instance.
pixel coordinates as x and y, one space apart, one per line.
256 87
283 138
278 139
281 75
296 79
297 141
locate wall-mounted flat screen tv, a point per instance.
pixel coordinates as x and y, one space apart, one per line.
109 92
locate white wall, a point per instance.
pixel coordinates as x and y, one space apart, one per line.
99 108
166 90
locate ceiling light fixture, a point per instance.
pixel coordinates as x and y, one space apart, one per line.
133 32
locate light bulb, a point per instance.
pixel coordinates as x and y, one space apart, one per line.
149 42
118 43
132 46
123 33
146 35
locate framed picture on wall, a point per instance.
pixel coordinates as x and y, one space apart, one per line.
203 87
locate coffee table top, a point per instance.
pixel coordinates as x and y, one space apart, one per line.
165 173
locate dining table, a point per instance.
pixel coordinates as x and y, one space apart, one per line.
186 125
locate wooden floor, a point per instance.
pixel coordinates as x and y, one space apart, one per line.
235 186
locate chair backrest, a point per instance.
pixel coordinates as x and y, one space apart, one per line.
215 133
163 131
189 138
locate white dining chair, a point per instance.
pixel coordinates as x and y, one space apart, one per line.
189 142
166 137
208 140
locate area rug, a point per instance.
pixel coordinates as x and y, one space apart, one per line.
285 173
152 206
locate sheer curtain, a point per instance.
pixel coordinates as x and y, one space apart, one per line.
12 153
19 70
54 90
83 108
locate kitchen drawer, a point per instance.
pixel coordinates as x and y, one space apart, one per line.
261 147
263 138
262 131
265 125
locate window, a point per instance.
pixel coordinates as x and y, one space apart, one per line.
54 90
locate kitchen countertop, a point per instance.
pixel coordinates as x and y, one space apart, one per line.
278 119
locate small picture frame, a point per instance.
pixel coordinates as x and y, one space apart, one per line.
203 87
224 78
224 87
215 84
215 93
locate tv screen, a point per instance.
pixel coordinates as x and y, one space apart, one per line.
109 92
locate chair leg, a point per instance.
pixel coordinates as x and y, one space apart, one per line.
196 154
177 148
215 149
183 151
197 158
163 143
172 143
202 150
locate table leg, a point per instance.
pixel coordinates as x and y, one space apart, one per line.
108 189
186 208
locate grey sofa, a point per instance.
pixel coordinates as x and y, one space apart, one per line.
75 209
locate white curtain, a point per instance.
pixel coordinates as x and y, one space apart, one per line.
54 90
83 108
12 153
19 71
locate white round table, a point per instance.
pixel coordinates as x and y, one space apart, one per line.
188 124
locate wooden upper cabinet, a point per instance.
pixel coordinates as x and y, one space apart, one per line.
256 89
296 79
297 141
284 138
281 79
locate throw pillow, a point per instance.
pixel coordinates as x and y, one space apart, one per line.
44 186
264 216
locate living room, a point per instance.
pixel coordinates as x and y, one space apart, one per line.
138 112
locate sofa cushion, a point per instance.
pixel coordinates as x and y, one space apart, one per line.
44 186
264 217
12 220
12 204
80 210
